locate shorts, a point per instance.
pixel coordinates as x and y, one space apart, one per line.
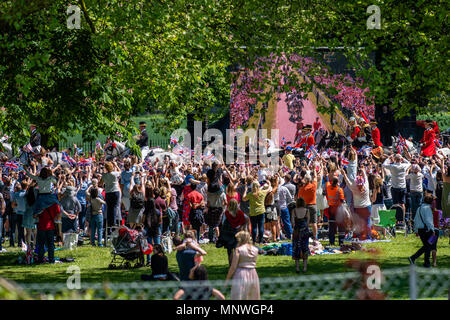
399 195
312 213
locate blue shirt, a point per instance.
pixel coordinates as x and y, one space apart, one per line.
424 218
125 179
81 194
188 177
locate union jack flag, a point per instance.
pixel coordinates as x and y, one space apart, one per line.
365 150
285 169
147 165
438 143
65 157
401 145
28 148
173 140
209 156
283 142
311 152
11 165
85 162
98 145
360 180
345 163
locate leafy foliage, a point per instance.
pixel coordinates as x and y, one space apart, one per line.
134 56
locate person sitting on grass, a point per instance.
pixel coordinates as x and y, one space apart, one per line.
186 254
200 291
160 266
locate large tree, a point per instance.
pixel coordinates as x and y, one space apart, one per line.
175 54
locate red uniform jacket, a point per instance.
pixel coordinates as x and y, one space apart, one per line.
376 137
355 132
306 142
429 147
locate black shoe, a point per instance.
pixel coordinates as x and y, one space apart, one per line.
411 260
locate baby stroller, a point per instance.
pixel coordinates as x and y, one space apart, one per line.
403 221
128 245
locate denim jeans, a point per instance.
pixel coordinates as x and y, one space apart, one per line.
82 217
257 227
286 220
96 226
156 239
46 238
416 201
113 215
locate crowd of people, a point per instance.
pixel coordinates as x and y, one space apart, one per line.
234 206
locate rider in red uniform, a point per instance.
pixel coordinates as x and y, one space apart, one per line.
428 144
375 133
307 139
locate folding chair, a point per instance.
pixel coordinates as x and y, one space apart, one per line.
402 223
387 221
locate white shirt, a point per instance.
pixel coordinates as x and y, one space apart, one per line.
415 181
360 199
398 173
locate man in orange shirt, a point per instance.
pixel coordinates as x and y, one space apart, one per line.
308 191
335 197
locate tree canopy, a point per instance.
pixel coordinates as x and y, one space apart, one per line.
174 55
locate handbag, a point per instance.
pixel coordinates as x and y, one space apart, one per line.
271 212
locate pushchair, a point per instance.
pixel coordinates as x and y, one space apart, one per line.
128 246
402 220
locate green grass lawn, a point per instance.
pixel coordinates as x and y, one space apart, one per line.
94 262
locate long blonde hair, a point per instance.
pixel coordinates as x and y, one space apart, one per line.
243 237
233 206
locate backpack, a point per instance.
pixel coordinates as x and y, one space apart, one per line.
172 215
137 201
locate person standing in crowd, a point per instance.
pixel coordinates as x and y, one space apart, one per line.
112 193
300 239
83 184
284 199
288 158
137 206
46 232
416 188
197 205
424 228
2 213
398 166
234 220
19 206
445 202
335 197
242 272
70 209
96 224
126 184
308 192
361 202
216 201
377 200
257 209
